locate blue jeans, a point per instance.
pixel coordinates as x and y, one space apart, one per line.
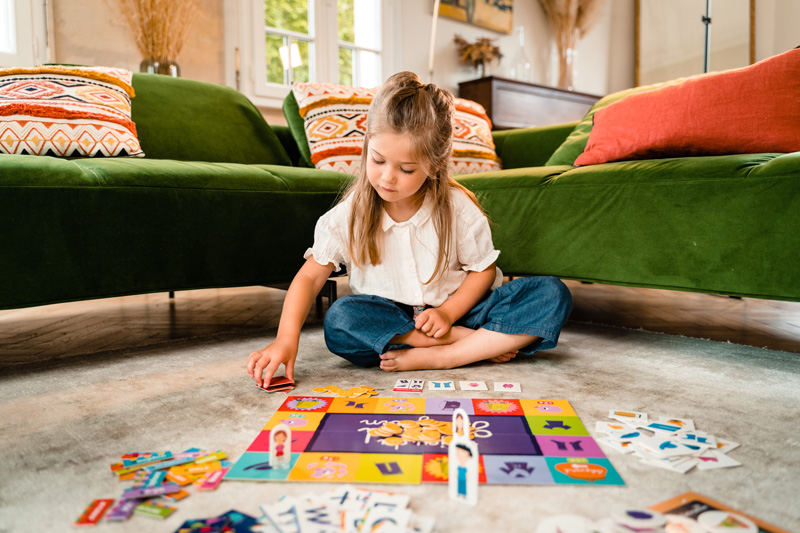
359 327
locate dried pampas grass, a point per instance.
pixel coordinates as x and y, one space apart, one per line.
569 21
159 26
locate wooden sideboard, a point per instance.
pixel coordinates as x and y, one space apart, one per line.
516 104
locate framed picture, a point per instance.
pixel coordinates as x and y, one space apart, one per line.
497 15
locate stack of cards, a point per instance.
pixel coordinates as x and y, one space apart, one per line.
278 384
345 509
159 480
669 442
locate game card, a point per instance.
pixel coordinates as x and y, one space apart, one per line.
686 424
711 459
473 385
442 385
507 386
630 417
409 385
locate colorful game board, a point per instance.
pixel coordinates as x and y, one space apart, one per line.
523 442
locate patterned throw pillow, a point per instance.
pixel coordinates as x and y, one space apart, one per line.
334 119
67 111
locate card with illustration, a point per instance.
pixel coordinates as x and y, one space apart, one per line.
409 385
473 385
441 385
630 417
507 386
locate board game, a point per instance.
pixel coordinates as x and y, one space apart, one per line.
404 440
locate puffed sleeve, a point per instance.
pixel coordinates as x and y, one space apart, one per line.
330 238
474 244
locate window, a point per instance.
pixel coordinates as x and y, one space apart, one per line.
23 33
339 41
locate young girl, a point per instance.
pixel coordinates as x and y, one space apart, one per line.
419 252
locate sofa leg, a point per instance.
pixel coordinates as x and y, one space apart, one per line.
329 290
171 295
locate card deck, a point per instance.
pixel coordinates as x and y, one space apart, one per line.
279 384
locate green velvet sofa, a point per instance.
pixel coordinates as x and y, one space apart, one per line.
222 199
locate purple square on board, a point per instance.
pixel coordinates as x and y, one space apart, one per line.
446 406
569 446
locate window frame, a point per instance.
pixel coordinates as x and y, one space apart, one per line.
245 43
31 32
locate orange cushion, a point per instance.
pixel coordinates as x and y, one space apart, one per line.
755 109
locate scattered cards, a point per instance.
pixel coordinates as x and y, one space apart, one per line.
346 509
671 443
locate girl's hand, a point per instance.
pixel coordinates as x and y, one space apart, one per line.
269 359
433 322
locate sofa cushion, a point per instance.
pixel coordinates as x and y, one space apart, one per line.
575 143
67 111
333 120
748 110
190 120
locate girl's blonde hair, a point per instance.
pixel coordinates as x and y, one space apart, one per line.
405 105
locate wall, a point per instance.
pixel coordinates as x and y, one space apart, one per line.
94 32
605 55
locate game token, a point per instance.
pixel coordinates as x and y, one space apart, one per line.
639 519
394 428
724 521
393 441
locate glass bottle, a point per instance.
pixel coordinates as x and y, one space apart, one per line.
521 68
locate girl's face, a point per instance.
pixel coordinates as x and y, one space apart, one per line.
393 170
280 438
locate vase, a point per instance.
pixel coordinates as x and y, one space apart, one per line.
154 66
566 68
520 68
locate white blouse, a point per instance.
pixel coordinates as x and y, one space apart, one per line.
409 251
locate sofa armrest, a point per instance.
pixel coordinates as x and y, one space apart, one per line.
287 141
530 147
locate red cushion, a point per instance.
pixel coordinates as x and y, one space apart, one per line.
755 109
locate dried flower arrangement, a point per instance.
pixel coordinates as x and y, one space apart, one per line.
569 21
477 54
159 26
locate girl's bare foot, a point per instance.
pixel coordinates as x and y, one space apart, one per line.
479 345
418 339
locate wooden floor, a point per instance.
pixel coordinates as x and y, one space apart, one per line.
63 330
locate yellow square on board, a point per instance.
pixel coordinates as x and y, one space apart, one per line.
400 406
389 468
296 421
353 405
326 467
547 408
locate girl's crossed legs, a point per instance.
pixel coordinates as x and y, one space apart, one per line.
526 314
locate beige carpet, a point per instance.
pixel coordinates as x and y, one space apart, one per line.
64 422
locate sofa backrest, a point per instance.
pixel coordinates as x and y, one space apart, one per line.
189 120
